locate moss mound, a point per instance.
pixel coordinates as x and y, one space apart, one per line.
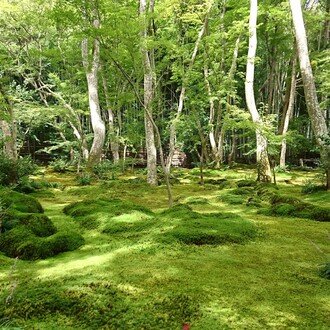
23 243
282 205
92 214
38 224
112 207
99 305
197 200
233 199
16 201
29 234
246 183
192 228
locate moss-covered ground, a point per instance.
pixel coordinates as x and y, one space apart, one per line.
223 258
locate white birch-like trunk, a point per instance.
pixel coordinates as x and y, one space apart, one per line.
263 166
91 70
148 86
316 115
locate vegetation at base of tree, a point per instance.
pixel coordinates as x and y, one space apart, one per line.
14 171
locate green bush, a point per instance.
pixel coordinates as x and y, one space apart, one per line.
59 165
16 201
105 170
310 188
12 171
84 179
8 170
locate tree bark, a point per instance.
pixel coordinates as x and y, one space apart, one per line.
263 166
315 113
91 70
114 145
8 128
148 86
288 112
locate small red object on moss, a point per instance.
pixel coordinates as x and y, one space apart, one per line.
186 326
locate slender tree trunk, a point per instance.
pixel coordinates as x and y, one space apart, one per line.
148 86
183 92
315 113
91 69
289 111
263 166
114 145
8 128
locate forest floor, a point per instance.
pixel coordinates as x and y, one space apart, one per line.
136 279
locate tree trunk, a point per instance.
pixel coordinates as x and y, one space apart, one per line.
91 70
148 86
9 139
263 166
315 113
288 112
114 145
183 91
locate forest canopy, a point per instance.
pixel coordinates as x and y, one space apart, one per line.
222 81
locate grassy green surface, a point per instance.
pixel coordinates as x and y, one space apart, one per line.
136 269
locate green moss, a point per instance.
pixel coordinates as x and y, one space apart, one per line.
325 271
197 200
246 183
23 243
232 199
39 224
111 207
243 191
193 228
20 202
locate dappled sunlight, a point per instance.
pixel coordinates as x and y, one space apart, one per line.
81 265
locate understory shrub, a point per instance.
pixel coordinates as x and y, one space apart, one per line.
84 179
12 171
311 187
59 165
